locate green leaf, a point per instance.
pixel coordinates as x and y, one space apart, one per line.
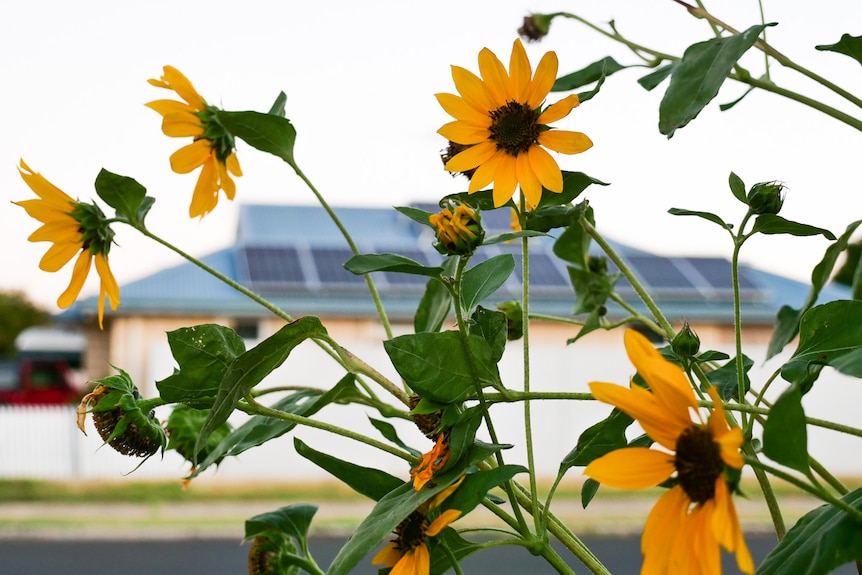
653 79
595 72
829 334
725 378
775 224
277 108
697 78
125 195
573 184
367 481
415 214
592 323
462 435
183 427
203 353
787 322
732 103
436 366
484 279
293 520
737 187
573 245
433 307
266 132
821 541
509 236
387 430
598 439
456 544
491 326
705 215
589 490
249 369
785 435
847 45
712 355
592 289
475 486
367 263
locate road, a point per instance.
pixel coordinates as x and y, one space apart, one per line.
228 557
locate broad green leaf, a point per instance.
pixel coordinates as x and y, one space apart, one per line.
697 78
475 487
829 334
787 322
598 439
554 216
436 366
183 427
293 520
573 184
573 245
737 187
266 132
653 79
203 353
592 323
592 289
367 481
415 214
775 224
462 435
820 542
277 108
367 263
847 45
433 308
590 94
388 431
509 236
725 378
712 355
250 368
491 326
124 194
595 72
484 279
705 215
785 435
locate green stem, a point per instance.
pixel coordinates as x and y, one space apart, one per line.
372 287
627 273
836 483
306 564
453 561
768 493
636 315
357 366
737 315
617 37
512 396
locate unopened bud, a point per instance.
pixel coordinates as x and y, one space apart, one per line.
458 228
766 197
536 27
686 343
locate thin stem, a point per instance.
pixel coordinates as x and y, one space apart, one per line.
763 35
616 36
512 396
453 561
768 493
636 315
306 564
357 366
737 315
833 481
372 287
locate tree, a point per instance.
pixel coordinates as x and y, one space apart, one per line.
18 313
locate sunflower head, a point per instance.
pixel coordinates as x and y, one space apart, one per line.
124 421
268 551
428 423
458 229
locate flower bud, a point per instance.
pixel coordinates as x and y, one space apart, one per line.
458 228
536 27
514 319
766 197
597 264
685 343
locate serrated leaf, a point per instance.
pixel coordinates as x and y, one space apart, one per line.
847 45
785 435
598 439
705 215
698 76
266 132
484 279
594 72
829 334
737 187
821 541
775 224
124 194
653 79
367 263
787 322
292 520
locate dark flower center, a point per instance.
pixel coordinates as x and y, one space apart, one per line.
411 531
698 463
515 128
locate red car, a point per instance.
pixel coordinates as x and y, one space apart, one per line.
37 382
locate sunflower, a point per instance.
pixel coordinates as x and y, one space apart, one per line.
691 520
499 117
74 228
458 229
212 149
431 462
408 554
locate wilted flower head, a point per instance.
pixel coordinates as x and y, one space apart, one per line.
535 27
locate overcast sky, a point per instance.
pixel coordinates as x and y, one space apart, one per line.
360 79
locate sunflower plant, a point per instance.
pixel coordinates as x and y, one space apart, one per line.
690 422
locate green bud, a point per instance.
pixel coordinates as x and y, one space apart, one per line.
766 197
458 228
514 319
597 264
686 343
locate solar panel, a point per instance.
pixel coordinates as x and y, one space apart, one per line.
273 265
717 273
330 266
660 273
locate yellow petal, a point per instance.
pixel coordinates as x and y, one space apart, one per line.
486 172
109 282
225 181
44 189
233 165
546 75
471 157
704 551
505 180
520 72
459 109
191 157
643 406
182 126
79 276
632 468
661 531
65 230
463 133
388 556
471 88
565 142
559 110
729 439
442 522
495 77
184 89
169 107
205 196
546 169
531 187
57 256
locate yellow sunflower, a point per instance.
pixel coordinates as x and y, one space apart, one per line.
408 554
212 149
430 463
74 228
499 117
692 519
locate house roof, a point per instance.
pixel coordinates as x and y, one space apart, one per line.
294 255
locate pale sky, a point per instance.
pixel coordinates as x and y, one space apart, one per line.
360 80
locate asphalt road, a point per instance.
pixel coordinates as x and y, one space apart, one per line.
228 557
